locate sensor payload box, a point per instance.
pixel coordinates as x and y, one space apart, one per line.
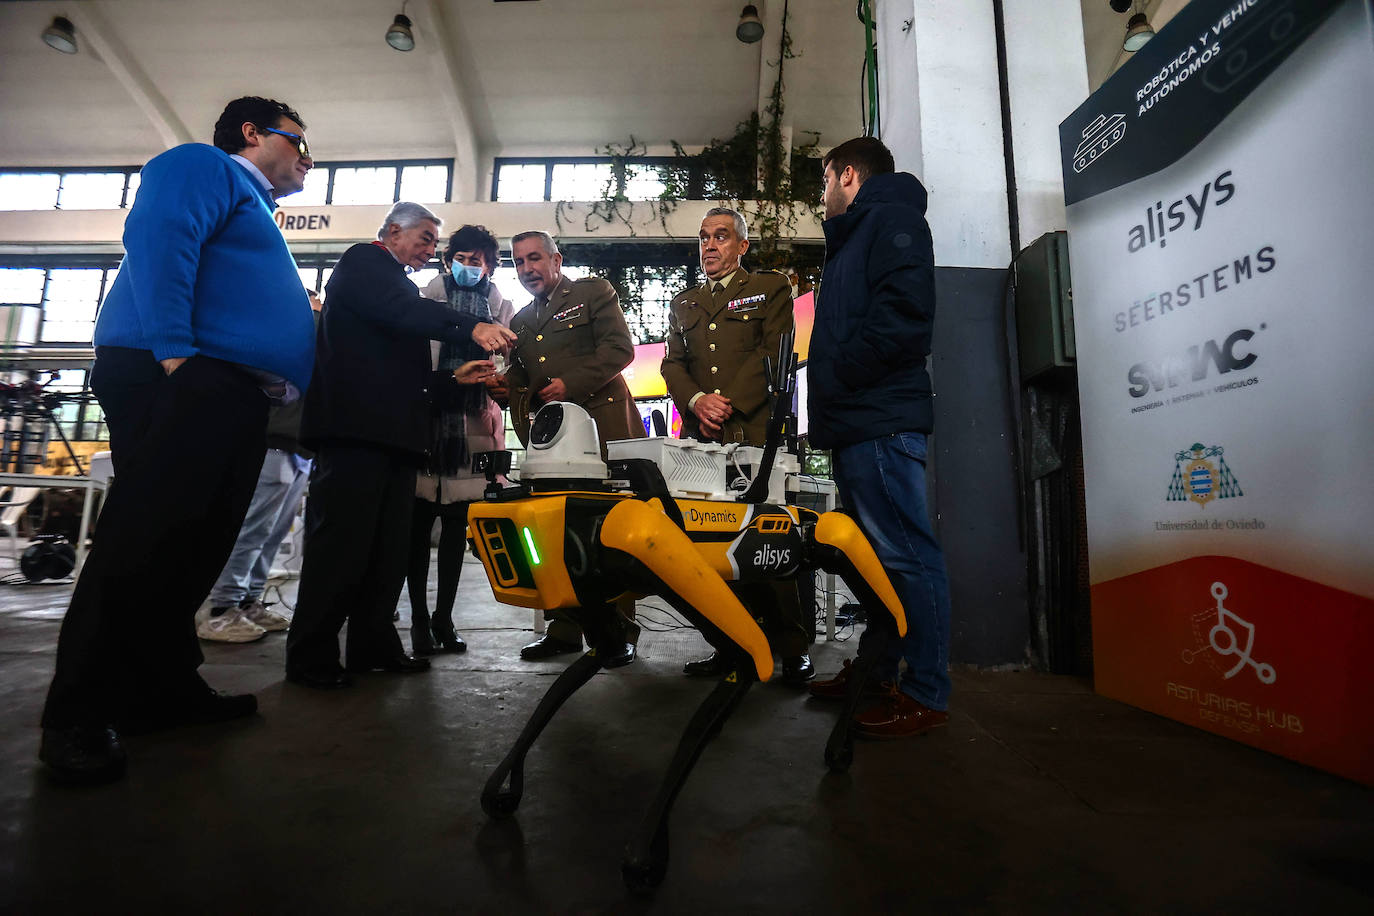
707 470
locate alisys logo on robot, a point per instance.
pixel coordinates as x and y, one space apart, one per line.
1229 636
1200 480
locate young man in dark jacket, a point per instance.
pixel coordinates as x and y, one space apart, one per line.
870 404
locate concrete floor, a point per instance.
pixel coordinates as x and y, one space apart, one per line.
1040 797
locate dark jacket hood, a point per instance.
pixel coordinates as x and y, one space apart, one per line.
892 188
900 188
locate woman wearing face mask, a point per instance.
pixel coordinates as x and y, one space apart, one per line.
464 420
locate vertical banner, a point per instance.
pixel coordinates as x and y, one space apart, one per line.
1220 201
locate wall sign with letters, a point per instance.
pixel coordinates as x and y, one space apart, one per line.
1221 215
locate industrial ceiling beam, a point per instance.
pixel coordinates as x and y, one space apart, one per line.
434 43
93 27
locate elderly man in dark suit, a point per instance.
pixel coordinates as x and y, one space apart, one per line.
366 416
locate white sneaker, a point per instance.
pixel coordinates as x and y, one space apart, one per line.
265 617
231 626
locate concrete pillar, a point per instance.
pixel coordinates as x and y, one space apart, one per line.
1047 79
942 114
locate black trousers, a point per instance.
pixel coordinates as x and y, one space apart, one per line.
357 536
452 541
187 448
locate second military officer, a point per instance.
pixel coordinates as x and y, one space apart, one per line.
718 335
572 344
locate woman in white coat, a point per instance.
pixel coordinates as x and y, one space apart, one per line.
464 421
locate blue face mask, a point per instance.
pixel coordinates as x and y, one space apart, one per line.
465 275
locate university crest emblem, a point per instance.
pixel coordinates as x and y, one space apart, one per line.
1196 478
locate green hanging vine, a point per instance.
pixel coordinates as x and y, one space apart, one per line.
752 170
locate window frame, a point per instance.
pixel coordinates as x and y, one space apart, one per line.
128 171
696 172
400 165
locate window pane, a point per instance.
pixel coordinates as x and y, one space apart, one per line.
643 182
365 186
69 309
29 190
516 183
509 285
421 278
424 183
310 277
135 180
72 381
91 191
21 284
312 195
580 182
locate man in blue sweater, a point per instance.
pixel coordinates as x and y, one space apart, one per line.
206 325
870 404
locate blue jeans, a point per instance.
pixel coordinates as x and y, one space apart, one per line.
281 484
882 485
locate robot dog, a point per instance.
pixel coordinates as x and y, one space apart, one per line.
576 535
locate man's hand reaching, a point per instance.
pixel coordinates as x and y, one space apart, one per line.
493 337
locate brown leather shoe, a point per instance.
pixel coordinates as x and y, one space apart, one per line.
897 715
835 688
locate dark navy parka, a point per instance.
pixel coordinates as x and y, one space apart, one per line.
866 371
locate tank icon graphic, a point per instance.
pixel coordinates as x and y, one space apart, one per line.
1098 137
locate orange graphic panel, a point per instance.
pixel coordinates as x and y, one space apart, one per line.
1248 652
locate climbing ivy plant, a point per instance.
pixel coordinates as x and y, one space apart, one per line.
751 170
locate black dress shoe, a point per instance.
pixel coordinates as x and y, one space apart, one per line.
712 665
421 643
400 664
620 656
82 754
797 670
449 641
547 647
199 708
336 679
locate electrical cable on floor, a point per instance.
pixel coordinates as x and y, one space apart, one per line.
292 561
674 622
18 578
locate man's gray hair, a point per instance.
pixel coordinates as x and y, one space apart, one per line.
741 227
407 215
550 247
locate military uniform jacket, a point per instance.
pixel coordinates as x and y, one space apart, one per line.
716 344
579 335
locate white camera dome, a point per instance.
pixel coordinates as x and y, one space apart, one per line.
563 444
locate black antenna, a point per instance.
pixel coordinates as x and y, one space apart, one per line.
782 381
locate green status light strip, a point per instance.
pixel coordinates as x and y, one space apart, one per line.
529 542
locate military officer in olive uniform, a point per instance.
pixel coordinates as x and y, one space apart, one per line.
572 342
718 335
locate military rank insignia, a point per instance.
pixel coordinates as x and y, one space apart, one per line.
746 304
1197 479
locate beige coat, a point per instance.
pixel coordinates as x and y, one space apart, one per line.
486 431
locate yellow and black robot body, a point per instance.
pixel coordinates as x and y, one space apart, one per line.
578 535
